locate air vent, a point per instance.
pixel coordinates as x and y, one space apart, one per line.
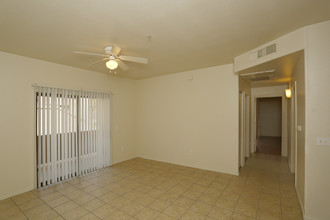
263 52
260 78
267 50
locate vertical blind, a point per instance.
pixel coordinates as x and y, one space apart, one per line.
73 133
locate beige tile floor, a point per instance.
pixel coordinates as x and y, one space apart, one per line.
144 189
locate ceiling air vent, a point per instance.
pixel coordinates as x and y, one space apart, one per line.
267 50
263 52
260 78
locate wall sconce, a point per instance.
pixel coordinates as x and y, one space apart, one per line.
288 93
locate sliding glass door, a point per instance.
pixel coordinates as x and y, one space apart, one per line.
73 133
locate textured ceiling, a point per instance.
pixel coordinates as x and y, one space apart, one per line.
185 34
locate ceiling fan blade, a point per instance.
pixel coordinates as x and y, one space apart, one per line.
122 65
104 59
115 49
86 53
134 59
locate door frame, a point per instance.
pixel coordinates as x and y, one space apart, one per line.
269 92
247 126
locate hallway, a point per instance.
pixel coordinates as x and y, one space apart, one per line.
270 183
145 189
269 145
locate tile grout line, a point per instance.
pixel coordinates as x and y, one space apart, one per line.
148 171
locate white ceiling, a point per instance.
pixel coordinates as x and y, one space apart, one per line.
186 34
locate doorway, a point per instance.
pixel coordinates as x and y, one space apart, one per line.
269 125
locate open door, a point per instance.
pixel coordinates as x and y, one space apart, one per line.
295 130
255 127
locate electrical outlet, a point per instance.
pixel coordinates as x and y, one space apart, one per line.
190 152
323 141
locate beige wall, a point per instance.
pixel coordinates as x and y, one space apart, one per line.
317 163
269 117
299 77
17 148
190 118
244 86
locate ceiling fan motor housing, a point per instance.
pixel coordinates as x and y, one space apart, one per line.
108 49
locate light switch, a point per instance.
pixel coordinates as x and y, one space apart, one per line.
299 127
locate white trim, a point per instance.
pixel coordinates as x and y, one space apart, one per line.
6 196
36 153
302 207
242 129
247 126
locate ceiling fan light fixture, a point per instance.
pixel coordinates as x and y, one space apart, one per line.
111 64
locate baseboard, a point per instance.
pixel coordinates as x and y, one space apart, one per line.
301 206
15 193
123 160
235 173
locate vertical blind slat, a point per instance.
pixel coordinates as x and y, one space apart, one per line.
89 133
102 131
39 135
108 131
43 138
69 134
94 131
77 131
62 138
58 134
83 134
65 133
53 135
48 137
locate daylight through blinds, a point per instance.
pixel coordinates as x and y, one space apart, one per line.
73 133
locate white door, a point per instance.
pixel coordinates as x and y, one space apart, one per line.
242 129
247 126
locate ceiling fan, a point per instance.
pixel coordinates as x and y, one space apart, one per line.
113 58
